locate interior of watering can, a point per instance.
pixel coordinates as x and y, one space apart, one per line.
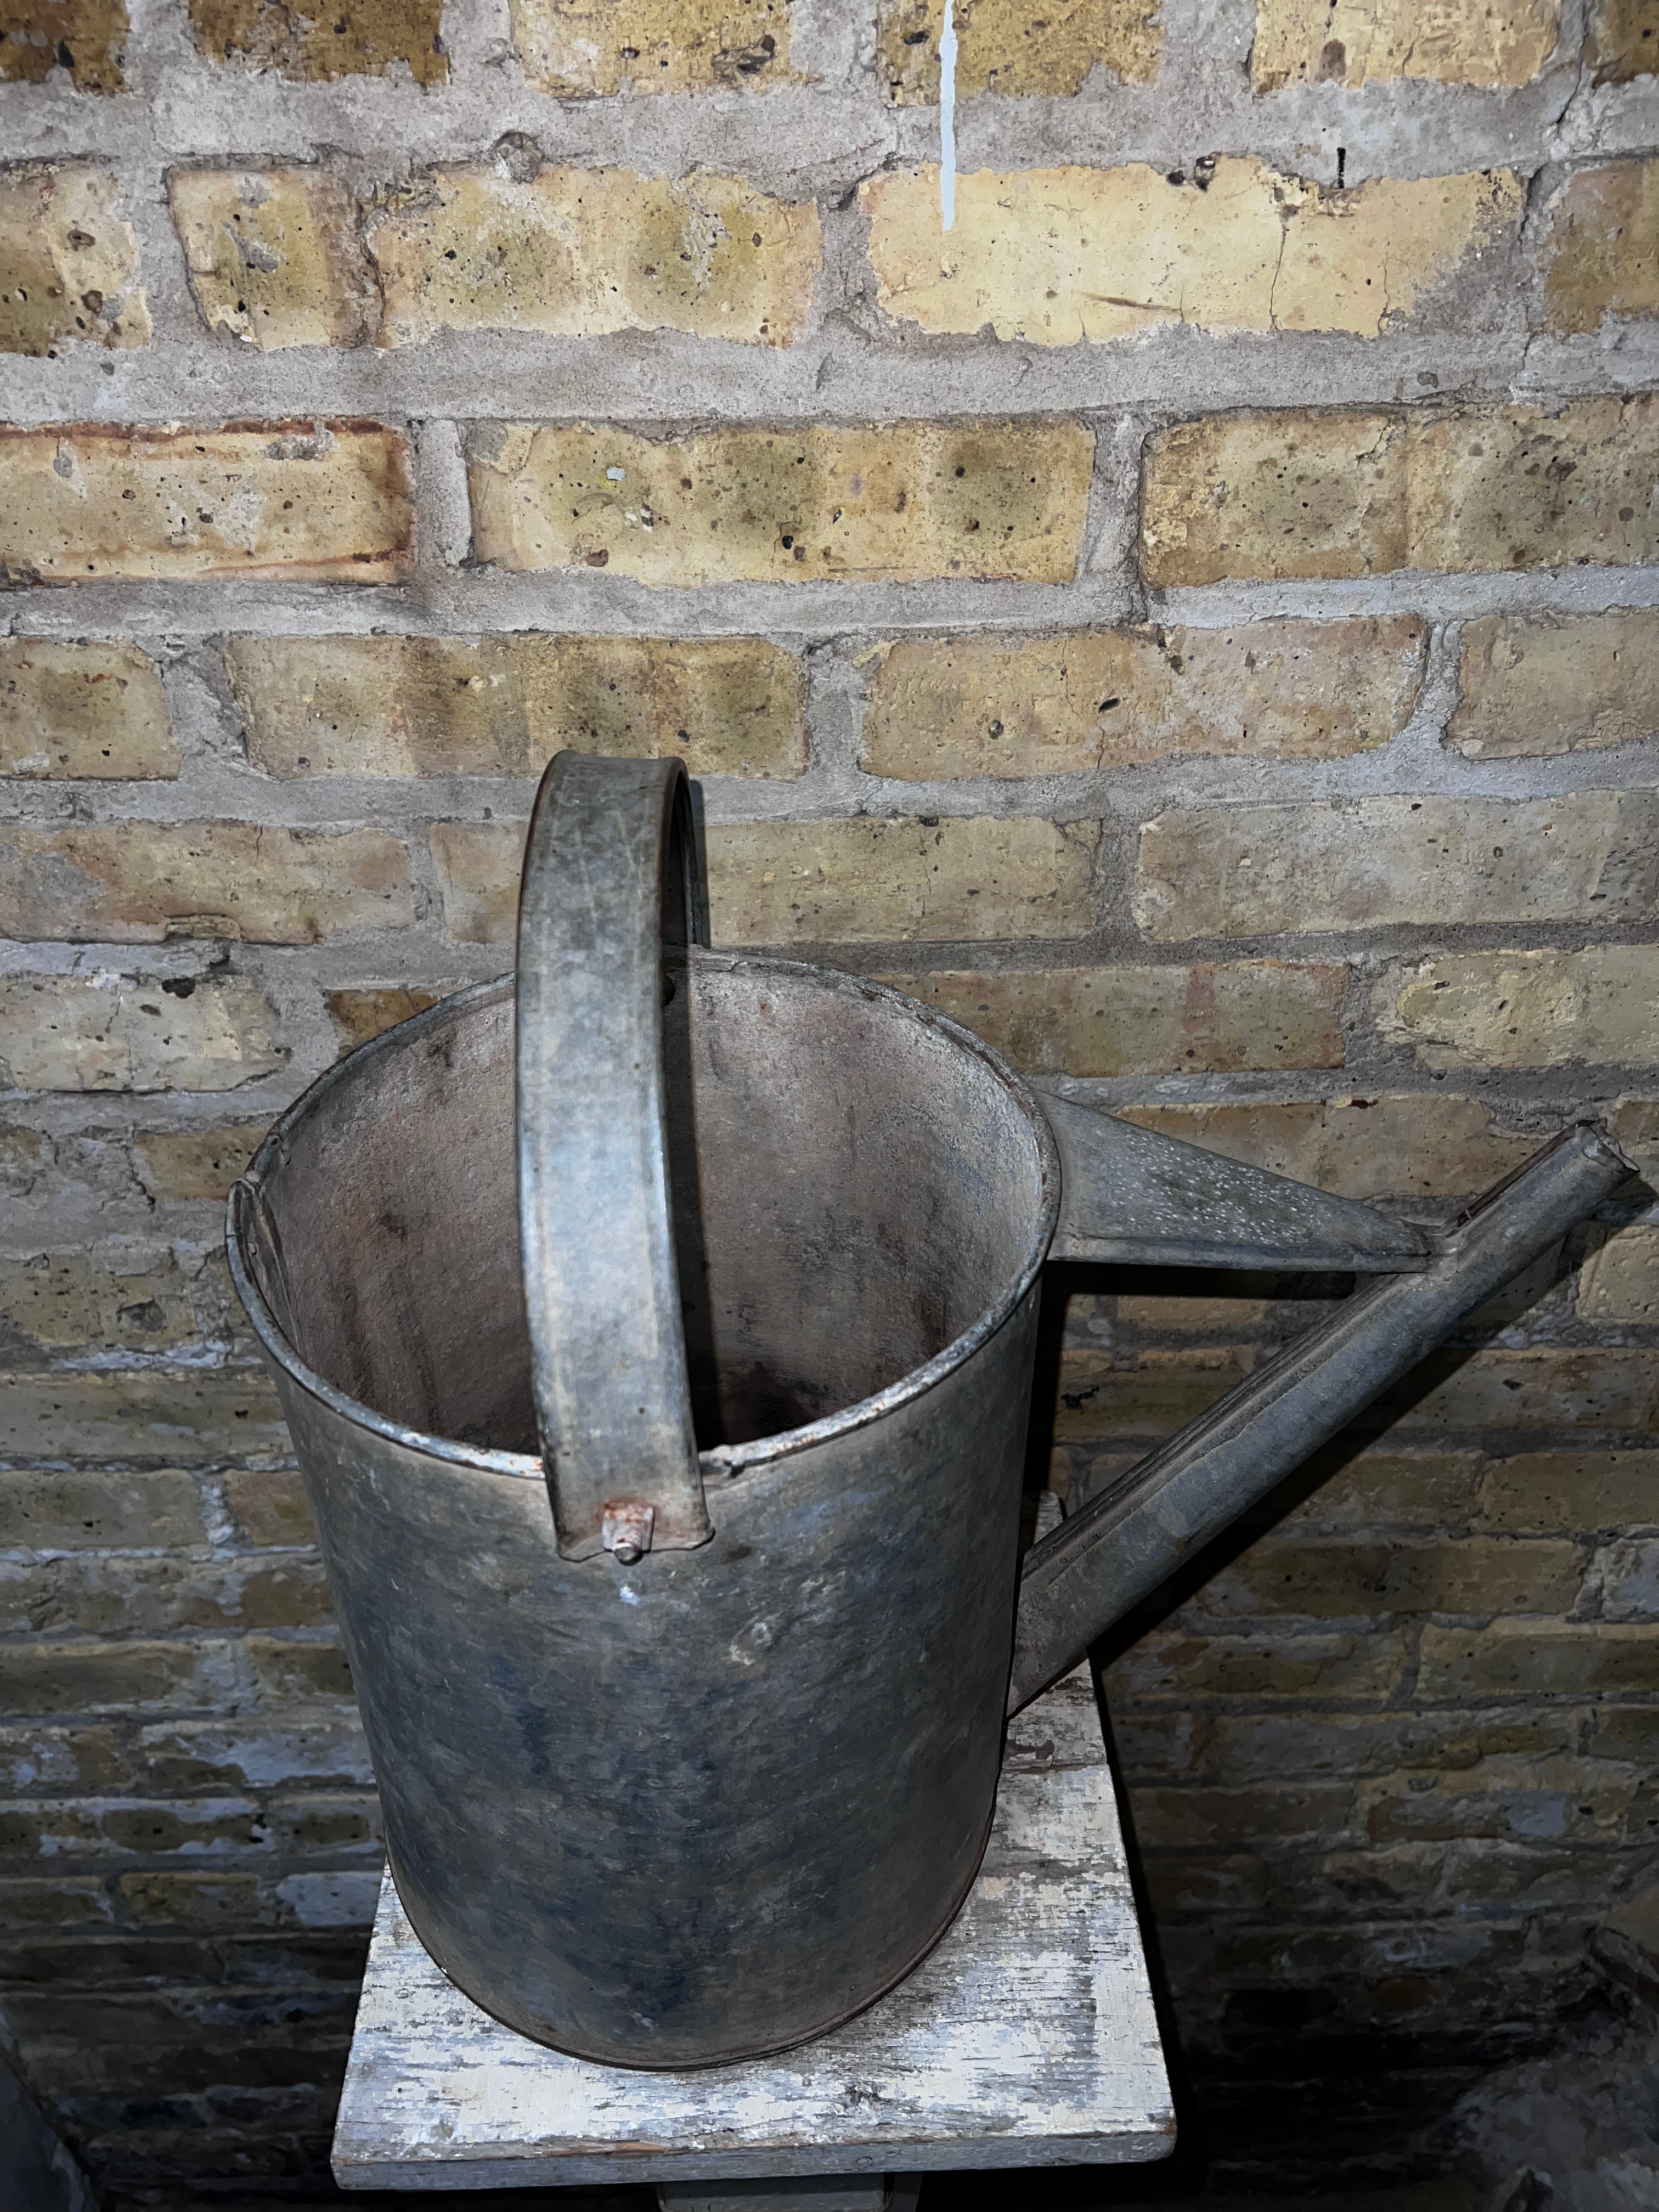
868 1188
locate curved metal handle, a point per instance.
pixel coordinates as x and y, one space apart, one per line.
609 880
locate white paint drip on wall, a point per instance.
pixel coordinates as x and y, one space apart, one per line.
947 121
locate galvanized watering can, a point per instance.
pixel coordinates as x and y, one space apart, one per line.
665 1435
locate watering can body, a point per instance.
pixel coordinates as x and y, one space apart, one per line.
680 1593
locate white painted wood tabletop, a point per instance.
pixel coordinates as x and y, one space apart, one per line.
1027 2038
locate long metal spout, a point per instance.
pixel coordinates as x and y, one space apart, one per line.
1122 1544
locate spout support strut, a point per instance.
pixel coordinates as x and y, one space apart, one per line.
1122 1545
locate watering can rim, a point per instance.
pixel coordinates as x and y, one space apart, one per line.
726 1460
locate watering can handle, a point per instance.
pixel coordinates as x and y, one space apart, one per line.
610 890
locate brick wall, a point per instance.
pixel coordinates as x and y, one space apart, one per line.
1195 622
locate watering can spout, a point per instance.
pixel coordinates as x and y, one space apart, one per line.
1085 1576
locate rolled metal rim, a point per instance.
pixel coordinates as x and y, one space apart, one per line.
722 1460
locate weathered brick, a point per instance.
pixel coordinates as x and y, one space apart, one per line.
1186 1661
1148 1021
95 709
290 1668
311 503
1583 1386
143 883
1225 1315
68 262
1571 1490
1420 1146
67 1301
62 1677
896 502
504 706
1374 863
1055 256
60 1902
182 1164
1332 1577
150 1414
1624 1575
1625 1732
182 1758
1357 42
1279 1743
1602 254
1622 1281
1279 1814
361 38
1636 1127
188 1897
88 1594
577 50
56 1509
273 256
578 252
1545 684
860 882
1380 1489
360 1015
1148 1394
1276 690
98 1828
1177 1886
1552 1009
869 881
86 38
127 1033
343 1824
1330 492
1538 1658
1535 1800
1003 47
62 1762
268 1506
1623 40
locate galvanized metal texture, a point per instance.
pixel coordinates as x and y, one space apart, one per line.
1137 1198
609 878
1123 1543
711 1804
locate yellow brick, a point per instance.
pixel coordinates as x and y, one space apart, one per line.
1054 256
1545 683
1200 1020
859 882
66 1301
142 882
1357 42
360 38
1552 1009
1571 1490
1624 39
504 706
60 1033
182 1164
95 709
1379 1489
1531 1658
304 501
87 38
1391 1147
579 49
1006 47
895 502
273 256
1580 1387
1185 1664
1327 1577
875 882
68 263
1602 253
1151 1394
361 1016
169 1415
1636 1127
1333 493
971 706
1621 1283
577 252
1261 871
1164 1314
